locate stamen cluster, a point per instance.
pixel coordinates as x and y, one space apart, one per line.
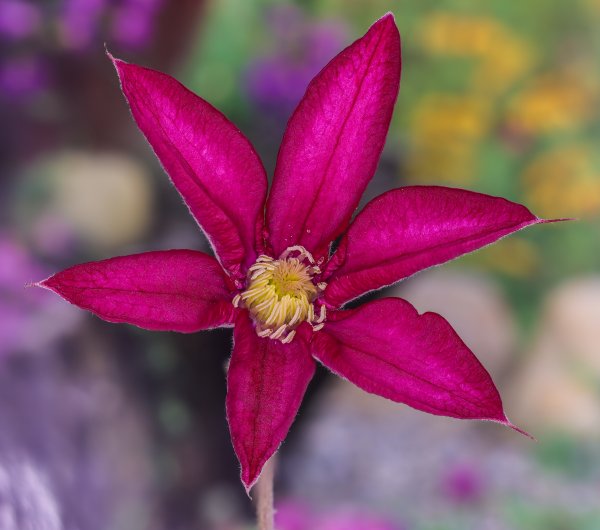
281 294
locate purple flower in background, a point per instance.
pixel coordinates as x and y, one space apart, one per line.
463 484
22 78
18 19
72 25
277 81
133 23
28 321
15 270
293 515
130 23
79 20
132 27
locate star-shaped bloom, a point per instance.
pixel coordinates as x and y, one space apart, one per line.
274 276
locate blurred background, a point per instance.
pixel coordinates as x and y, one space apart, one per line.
110 427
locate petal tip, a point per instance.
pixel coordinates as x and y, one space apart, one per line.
51 284
117 63
507 423
112 58
388 17
249 480
560 220
521 431
42 284
248 488
386 23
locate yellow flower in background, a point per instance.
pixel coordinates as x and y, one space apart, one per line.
501 55
445 131
565 181
503 65
449 116
445 33
552 102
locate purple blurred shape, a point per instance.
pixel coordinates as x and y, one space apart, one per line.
133 23
151 5
79 20
18 19
463 484
29 321
22 78
293 515
277 81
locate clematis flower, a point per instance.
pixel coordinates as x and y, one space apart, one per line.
274 277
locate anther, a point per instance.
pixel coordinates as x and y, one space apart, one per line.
280 331
296 316
322 315
289 337
301 250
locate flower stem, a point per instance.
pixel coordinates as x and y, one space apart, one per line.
264 497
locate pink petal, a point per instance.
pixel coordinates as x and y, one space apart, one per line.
407 230
385 347
333 142
211 163
172 290
265 385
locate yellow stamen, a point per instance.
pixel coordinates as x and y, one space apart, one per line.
280 294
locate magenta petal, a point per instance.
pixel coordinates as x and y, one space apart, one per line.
409 229
385 347
172 290
265 385
333 142
211 163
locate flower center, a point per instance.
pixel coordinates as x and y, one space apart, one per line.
280 294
